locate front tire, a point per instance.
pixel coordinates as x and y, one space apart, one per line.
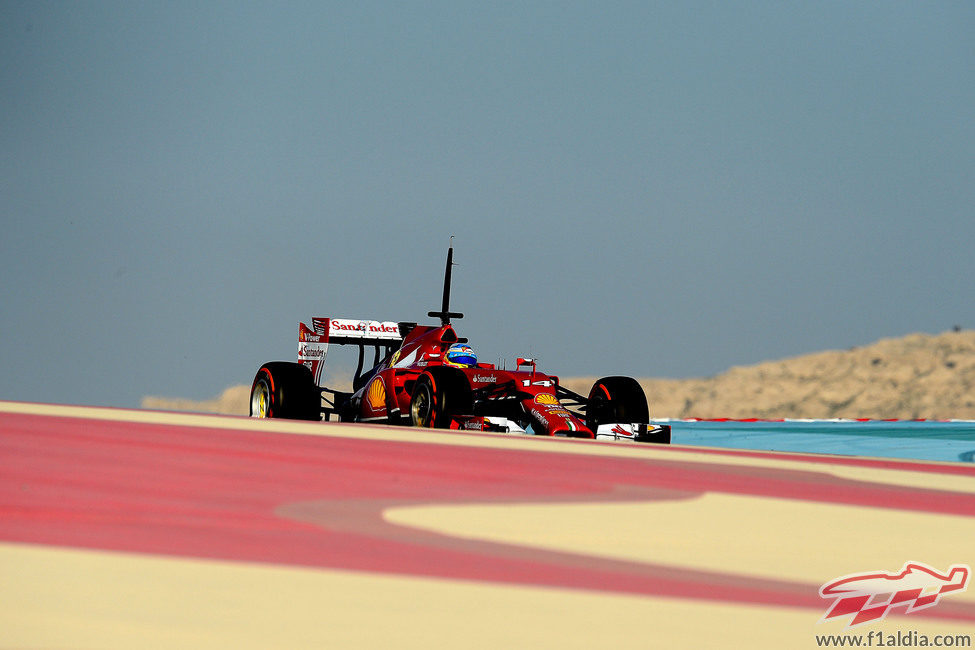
437 396
285 390
616 399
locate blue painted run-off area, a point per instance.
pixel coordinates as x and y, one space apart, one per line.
920 440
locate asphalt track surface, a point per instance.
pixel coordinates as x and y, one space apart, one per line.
124 529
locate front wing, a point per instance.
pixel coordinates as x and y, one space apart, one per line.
634 432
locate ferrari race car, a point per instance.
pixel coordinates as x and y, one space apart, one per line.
424 376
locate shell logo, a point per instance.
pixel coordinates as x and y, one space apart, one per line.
545 398
376 395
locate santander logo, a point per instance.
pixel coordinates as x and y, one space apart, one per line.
337 325
869 597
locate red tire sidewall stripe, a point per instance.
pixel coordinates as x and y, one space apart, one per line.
433 402
270 397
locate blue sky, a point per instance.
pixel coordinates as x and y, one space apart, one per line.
652 189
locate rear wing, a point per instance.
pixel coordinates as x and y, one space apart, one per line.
313 342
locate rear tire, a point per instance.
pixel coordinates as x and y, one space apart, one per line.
438 395
285 390
616 399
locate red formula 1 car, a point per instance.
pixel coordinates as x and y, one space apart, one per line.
424 375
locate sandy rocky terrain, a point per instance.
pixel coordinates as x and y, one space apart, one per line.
917 376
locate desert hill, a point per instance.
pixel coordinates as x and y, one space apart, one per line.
916 376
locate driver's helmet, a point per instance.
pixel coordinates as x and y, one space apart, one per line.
461 355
